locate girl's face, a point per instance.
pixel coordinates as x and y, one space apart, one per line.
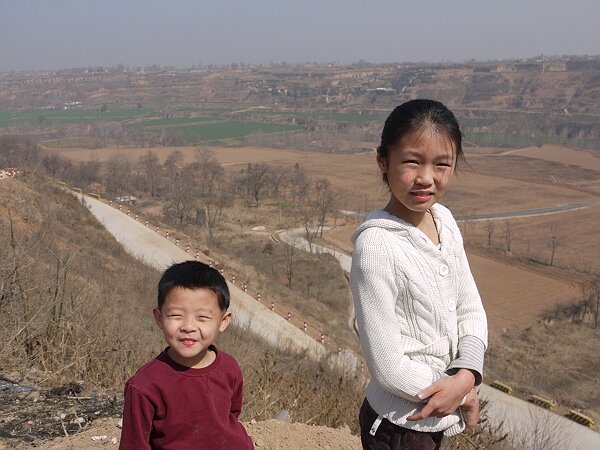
418 169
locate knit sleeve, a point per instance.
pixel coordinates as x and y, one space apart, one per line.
470 315
470 356
375 290
137 420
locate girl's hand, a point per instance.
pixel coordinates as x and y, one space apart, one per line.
470 410
445 395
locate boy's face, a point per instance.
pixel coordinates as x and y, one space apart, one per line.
191 320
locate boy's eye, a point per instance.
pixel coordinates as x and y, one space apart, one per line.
173 316
411 161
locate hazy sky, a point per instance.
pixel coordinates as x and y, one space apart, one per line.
53 34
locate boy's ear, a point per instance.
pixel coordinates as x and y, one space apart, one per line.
225 320
157 317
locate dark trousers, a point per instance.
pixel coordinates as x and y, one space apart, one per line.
393 437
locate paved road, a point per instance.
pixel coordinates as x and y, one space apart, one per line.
529 426
528 212
527 423
153 249
533 212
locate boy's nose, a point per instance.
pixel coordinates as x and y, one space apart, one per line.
188 325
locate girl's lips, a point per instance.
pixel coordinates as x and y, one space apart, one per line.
422 195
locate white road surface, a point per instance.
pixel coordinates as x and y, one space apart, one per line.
530 426
156 251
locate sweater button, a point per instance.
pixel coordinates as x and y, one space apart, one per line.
451 305
443 270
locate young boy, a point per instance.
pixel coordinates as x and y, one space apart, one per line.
190 396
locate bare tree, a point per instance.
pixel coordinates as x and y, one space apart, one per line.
86 173
213 207
180 206
209 170
117 176
280 179
55 165
309 218
325 198
590 292
257 175
299 184
173 163
553 242
489 226
507 228
150 172
290 263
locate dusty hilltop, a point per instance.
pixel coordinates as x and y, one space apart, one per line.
267 435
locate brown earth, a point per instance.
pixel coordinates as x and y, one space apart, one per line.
489 183
267 435
514 293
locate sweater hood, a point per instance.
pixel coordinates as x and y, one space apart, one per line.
382 219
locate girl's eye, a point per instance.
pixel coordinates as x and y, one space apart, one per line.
444 165
174 316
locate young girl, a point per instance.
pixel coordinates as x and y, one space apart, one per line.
421 323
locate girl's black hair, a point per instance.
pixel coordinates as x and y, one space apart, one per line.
193 275
417 115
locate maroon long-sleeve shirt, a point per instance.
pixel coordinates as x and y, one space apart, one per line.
169 406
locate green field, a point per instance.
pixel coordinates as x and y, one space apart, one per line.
514 140
227 130
48 117
174 121
193 129
339 117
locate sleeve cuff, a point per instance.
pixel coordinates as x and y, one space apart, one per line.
470 356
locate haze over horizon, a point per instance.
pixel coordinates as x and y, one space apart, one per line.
50 35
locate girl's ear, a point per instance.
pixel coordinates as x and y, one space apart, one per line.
381 162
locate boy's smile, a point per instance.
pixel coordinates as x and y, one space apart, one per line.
191 320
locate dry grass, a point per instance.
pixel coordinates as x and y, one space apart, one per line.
71 297
553 358
318 293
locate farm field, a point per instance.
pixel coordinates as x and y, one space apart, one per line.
503 286
585 159
357 176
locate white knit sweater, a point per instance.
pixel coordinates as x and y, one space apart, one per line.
413 303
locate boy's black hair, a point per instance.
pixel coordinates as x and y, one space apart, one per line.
193 275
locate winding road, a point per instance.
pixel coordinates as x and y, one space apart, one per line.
530 426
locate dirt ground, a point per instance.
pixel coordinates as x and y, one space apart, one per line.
356 175
267 435
547 177
505 286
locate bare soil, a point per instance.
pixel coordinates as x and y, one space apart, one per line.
267 435
515 293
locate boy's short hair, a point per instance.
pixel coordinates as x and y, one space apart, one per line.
193 275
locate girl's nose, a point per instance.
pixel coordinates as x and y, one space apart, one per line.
425 175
